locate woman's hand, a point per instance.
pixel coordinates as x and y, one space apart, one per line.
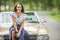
17 35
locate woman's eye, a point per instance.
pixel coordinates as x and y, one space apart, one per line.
18 7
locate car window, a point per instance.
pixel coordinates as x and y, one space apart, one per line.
32 19
0 18
6 18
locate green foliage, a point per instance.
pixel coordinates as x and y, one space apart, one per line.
34 4
55 17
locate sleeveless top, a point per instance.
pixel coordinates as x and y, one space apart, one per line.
18 20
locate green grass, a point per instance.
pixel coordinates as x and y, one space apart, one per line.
55 17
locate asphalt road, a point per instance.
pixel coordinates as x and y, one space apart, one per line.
52 26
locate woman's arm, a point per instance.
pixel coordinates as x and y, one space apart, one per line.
22 25
14 21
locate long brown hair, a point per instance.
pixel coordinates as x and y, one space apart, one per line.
16 6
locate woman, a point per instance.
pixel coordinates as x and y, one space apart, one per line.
17 31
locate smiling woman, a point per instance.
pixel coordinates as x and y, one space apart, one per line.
17 31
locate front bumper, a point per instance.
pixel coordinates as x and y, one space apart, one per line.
33 37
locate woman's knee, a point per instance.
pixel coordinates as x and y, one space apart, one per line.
13 35
13 32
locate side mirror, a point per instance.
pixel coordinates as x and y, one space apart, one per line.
43 20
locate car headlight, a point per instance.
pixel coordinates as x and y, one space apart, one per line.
39 37
46 36
42 37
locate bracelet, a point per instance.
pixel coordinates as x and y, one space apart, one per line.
19 32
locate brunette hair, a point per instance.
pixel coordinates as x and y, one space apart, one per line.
16 6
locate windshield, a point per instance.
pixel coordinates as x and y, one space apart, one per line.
30 18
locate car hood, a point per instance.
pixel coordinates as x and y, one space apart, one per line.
31 28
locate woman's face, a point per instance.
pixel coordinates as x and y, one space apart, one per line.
19 8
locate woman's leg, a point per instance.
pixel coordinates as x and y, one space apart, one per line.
13 35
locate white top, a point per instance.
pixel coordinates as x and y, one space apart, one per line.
18 20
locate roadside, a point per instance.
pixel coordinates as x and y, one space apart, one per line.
54 16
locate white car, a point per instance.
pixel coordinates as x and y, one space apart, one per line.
32 25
